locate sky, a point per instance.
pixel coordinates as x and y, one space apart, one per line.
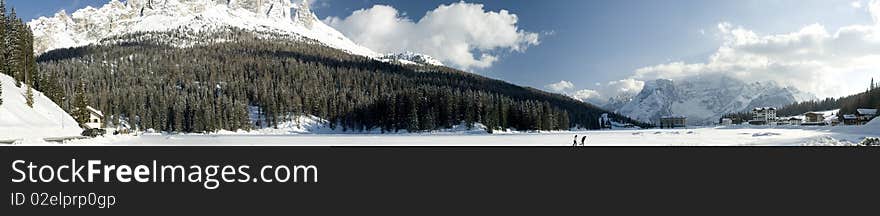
593 50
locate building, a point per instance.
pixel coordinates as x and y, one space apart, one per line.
865 115
726 121
96 118
850 119
814 118
763 116
605 121
795 121
673 121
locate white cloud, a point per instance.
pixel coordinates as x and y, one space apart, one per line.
625 86
813 59
561 86
856 4
462 34
585 95
874 9
601 93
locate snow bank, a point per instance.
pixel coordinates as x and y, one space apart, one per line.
31 125
873 124
872 129
311 125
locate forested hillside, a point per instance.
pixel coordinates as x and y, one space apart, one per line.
16 50
144 79
847 105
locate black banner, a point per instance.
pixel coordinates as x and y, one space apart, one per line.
428 180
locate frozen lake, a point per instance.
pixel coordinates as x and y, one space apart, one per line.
653 137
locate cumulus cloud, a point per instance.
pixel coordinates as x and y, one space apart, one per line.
600 93
585 95
813 58
561 86
462 34
625 86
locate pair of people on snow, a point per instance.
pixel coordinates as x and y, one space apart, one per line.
583 139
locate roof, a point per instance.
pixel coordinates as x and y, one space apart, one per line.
794 119
815 113
867 111
95 111
673 117
764 108
849 116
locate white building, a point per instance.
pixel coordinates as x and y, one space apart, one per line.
605 121
96 118
763 116
726 121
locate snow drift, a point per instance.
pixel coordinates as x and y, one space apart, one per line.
20 122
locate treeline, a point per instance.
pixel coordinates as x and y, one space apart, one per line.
17 51
218 86
869 99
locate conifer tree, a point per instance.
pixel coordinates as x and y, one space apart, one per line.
80 112
29 97
13 47
4 68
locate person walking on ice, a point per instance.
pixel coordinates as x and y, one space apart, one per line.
583 139
575 143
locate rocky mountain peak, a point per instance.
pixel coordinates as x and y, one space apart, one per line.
277 17
196 18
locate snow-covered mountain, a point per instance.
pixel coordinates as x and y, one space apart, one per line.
196 17
412 58
27 124
616 102
704 99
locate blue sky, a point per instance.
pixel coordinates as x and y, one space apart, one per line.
589 42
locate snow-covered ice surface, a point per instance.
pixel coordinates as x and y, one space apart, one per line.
31 124
817 136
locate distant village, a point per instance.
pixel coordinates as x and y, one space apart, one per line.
767 116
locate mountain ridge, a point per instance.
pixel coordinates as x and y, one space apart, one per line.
704 99
278 19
